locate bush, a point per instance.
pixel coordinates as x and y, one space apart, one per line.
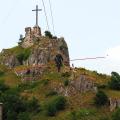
32 105
100 98
23 55
51 93
115 81
56 104
14 104
1 73
3 87
23 116
66 82
66 74
116 115
48 34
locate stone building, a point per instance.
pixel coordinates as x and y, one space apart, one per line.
30 34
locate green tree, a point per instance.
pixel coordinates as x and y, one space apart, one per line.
115 81
48 34
100 98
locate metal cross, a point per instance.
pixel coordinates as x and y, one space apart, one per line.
37 10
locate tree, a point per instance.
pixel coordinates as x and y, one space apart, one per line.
48 34
115 81
100 98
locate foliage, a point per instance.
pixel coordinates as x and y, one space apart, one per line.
66 74
51 93
56 104
3 87
23 116
14 104
45 82
116 115
100 98
115 81
48 34
1 73
23 55
32 105
66 82
81 114
26 86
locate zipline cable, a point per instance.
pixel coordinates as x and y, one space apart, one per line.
88 58
45 14
52 16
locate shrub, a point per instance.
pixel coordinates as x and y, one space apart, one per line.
115 81
14 104
32 105
56 104
116 115
23 55
66 82
51 93
23 116
48 34
45 82
3 87
1 73
100 98
66 74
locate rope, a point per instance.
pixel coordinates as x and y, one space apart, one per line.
45 15
89 58
52 16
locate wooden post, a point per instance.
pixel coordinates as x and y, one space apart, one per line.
1 111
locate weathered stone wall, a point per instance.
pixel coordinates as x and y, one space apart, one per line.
30 34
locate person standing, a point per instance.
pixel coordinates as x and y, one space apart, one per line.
59 61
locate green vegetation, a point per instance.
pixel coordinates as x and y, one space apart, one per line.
22 56
100 98
51 93
14 105
66 82
48 34
56 104
116 115
115 81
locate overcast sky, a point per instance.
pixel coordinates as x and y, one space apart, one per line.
90 27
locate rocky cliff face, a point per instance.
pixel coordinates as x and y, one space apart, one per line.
81 84
42 51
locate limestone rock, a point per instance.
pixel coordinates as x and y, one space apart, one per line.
80 85
114 103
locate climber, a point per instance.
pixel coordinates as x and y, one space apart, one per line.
58 61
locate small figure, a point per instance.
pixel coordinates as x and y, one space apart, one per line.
58 61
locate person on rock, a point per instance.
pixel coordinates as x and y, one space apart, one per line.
59 61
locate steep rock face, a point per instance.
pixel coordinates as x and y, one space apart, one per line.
46 50
80 85
8 59
41 52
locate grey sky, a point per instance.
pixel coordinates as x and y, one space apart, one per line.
90 27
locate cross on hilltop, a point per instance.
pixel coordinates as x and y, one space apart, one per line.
37 10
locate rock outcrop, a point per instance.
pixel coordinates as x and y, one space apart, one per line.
114 103
80 85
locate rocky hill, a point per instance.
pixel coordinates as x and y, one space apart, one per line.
29 71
